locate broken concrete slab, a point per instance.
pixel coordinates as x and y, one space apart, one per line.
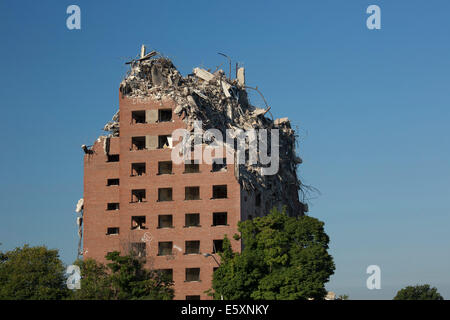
203 74
226 89
241 77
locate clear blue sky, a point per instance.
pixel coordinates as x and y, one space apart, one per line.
372 108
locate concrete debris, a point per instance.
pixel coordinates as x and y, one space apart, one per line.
113 126
143 55
220 103
178 109
106 144
79 206
277 122
191 102
142 51
226 89
203 74
241 77
79 221
259 111
79 209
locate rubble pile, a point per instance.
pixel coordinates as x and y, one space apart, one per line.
113 126
220 103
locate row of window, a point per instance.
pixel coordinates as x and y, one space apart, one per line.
191 274
165 248
166 221
151 142
165 167
151 116
166 194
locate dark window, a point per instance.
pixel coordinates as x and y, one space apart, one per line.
138 143
164 142
164 115
138 223
112 182
165 221
192 297
192 274
138 249
138 169
138 195
113 158
258 200
219 218
219 165
192 220
165 194
138 116
220 192
217 246
112 206
165 167
191 167
167 274
165 248
111 231
192 193
192 247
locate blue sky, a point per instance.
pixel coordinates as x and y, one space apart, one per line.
372 108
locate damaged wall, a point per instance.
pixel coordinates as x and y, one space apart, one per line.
220 103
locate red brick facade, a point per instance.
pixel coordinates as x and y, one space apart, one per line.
97 194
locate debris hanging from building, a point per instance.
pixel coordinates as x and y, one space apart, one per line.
220 103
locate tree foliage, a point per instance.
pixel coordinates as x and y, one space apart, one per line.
37 273
32 273
95 282
283 258
123 278
418 292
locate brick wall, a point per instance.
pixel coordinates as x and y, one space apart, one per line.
97 194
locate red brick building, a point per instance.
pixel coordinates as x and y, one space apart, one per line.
138 198
176 216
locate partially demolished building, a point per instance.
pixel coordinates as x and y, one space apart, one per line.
136 199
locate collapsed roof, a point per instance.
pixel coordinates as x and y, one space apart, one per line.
220 103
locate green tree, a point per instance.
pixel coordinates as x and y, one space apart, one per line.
283 258
129 280
418 292
34 273
95 281
124 278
